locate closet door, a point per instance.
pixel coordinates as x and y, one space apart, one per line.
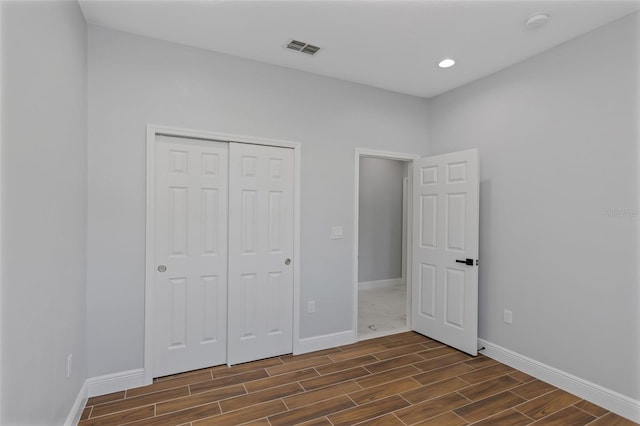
190 293
261 266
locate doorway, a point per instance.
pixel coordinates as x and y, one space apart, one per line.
222 245
382 216
441 246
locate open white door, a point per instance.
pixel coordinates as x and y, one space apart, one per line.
190 303
260 252
445 249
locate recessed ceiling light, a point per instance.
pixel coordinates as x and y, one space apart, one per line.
537 21
446 63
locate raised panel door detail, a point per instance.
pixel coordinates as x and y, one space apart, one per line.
178 162
210 164
178 221
454 298
249 283
456 222
275 168
275 219
210 218
249 217
178 312
428 216
457 172
276 306
249 166
210 300
428 291
429 175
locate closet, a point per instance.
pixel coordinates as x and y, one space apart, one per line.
223 253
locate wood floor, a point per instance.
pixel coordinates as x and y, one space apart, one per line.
404 379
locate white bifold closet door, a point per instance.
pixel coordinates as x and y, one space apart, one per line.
223 288
190 294
260 252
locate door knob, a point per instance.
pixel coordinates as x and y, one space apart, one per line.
465 261
162 268
287 262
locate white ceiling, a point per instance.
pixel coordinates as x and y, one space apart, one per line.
391 44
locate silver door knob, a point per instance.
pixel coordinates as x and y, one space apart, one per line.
287 262
162 268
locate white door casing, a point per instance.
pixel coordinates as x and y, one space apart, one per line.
190 295
445 233
261 263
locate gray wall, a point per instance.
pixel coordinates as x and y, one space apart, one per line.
44 217
558 142
380 219
134 81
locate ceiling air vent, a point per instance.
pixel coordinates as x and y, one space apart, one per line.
300 46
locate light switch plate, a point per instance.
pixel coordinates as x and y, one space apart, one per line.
337 232
508 317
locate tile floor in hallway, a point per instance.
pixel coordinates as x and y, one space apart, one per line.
382 310
402 379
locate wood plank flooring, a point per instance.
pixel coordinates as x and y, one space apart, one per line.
404 379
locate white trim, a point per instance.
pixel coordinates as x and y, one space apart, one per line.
115 382
326 341
218 137
390 155
370 336
405 224
152 131
149 266
369 285
297 197
599 395
409 244
364 152
78 406
1 244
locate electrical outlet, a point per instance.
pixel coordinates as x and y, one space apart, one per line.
337 232
508 316
69 359
311 306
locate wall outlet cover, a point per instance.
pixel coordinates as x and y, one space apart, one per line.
337 232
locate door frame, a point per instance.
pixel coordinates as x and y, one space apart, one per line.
152 132
387 155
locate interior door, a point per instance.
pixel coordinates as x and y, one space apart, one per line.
190 295
445 249
260 252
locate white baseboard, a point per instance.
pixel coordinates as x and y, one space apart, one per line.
599 395
326 341
385 333
368 285
115 382
78 406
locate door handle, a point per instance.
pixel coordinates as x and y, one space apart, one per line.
465 261
287 262
162 268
